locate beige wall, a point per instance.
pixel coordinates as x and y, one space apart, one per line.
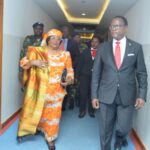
19 15
139 30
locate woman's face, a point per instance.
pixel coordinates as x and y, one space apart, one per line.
54 42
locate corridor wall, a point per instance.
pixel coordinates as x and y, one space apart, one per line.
19 15
139 30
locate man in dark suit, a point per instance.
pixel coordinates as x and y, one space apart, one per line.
84 75
119 84
69 45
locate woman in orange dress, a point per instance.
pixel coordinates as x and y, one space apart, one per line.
43 67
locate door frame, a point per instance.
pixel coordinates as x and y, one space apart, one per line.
1 49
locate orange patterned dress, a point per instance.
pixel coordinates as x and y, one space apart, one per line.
49 123
44 93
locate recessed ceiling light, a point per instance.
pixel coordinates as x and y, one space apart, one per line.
72 19
83 14
84 28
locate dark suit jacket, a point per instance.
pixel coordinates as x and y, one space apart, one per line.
72 47
85 65
106 79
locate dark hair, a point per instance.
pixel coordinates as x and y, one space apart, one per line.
65 27
47 40
75 34
123 19
38 24
97 37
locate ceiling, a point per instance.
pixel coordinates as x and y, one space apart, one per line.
92 9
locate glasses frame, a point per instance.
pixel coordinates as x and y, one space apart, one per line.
116 27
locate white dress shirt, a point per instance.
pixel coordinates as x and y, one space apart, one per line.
65 43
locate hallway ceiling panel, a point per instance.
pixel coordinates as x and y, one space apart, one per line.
77 7
115 8
90 7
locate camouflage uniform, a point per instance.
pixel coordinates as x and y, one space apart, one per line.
30 40
82 47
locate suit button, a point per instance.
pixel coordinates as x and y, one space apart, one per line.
118 85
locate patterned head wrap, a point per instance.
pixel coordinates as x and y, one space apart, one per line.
52 32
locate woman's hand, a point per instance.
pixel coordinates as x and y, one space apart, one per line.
64 84
68 81
39 63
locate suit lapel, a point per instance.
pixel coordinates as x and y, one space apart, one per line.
127 50
68 45
89 55
112 58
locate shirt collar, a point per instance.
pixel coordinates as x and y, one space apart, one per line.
93 48
121 41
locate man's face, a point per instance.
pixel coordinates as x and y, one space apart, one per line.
77 38
65 32
118 28
95 43
38 30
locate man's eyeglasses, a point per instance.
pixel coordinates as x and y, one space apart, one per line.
115 27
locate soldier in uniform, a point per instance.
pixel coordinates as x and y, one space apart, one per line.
31 40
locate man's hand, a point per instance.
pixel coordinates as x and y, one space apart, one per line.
95 103
139 103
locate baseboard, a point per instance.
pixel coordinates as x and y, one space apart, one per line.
137 140
9 121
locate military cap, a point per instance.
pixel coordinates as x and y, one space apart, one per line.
38 24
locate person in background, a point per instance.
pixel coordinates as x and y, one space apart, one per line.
81 46
43 67
68 44
119 84
31 40
84 75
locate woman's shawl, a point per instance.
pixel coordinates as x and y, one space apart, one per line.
36 80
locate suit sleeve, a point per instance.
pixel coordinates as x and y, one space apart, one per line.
68 64
141 74
76 54
96 74
80 65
